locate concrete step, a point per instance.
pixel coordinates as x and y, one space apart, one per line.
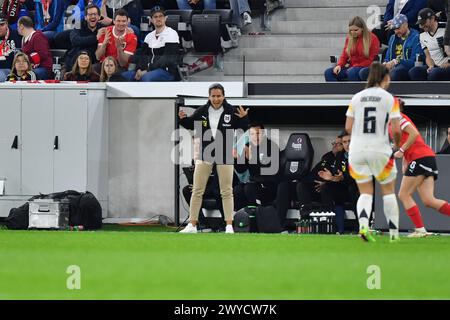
309 27
276 68
332 3
291 54
323 14
292 41
259 79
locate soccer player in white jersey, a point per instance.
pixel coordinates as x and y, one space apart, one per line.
370 155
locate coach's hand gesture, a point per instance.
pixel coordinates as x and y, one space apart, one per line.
242 112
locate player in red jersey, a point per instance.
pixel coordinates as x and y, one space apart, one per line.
419 172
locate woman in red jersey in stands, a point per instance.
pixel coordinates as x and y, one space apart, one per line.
419 172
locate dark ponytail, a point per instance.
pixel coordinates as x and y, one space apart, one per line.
376 74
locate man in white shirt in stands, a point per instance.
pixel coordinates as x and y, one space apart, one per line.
437 64
157 60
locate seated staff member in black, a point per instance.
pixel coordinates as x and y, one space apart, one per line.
260 160
308 189
214 124
340 187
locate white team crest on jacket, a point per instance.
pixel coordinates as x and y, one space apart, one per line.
227 118
294 167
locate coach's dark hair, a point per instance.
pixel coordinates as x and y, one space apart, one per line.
377 72
90 6
121 12
216 86
256 125
26 21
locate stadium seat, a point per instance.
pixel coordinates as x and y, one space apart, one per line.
295 162
184 28
226 20
58 60
297 157
172 21
206 33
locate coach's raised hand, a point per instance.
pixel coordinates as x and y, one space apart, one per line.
242 112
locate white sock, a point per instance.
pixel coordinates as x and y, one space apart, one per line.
423 230
391 212
364 208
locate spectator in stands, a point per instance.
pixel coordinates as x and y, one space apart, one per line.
82 69
340 187
110 71
409 8
86 37
241 12
446 146
132 7
159 55
196 4
49 16
117 40
22 69
35 46
437 67
13 10
360 49
101 4
403 50
10 41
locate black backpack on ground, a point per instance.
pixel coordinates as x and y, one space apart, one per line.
18 217
245 220
267 220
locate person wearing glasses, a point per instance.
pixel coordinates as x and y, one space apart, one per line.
85 38
82 69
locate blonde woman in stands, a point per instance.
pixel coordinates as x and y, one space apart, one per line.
360 50
21 70
111 71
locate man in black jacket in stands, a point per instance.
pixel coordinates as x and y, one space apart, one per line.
85 38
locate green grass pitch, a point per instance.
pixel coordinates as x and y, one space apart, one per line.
146 263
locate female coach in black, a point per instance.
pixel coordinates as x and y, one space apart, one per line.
214 125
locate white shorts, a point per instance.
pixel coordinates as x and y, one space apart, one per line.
365 165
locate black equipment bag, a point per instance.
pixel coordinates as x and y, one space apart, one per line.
84 210
267 220
18 218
